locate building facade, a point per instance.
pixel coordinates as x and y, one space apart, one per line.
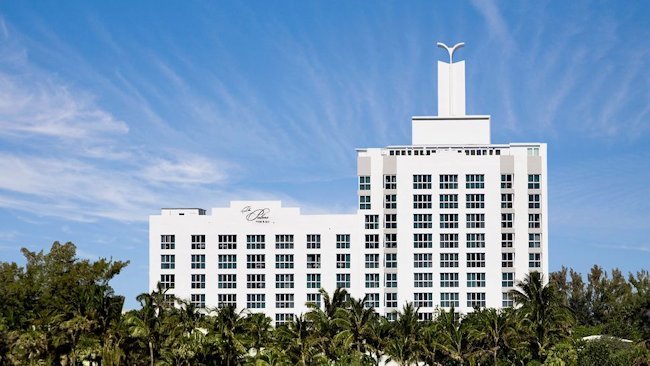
449 221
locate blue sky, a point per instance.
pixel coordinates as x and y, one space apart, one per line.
111 110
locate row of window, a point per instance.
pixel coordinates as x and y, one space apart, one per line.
449 201
282 241
450 221
449 181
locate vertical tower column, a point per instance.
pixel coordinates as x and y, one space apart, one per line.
451 84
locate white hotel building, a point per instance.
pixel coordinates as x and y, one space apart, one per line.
451 220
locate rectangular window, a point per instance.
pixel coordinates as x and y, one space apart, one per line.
227 261
283 261
422 260
533 151
534 260
422 221
391 299
198 300
507 279
198 261
475 201
372 241
506 219
448 260
390 182
475 240
227 241
423 300
475 221
507 300
506 200
314 299
390 241
448 181
372 222
475 260
506 181
313 241
476 299
534 240
391 279
534 221
342 280
198 241
167 281
313 280
507 240
284 301
227 280
284 280
167 261
283 318
422 181
474 181
313 261
256 301
372 301
390 201
533 181
284 242
507 260
364 203
449 221
372 260
255 242
342 260
342 241
167 242
422 240
449 280
256 281
226 300
372 280
533 201
449 300
255 261
448 201
390 221
448 240
390 260
421 201
423 279
364 183
476 280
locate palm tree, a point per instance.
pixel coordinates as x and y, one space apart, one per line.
490 329
323 317
145 323
296 339
355 324
452 336
227 334
404 344
258 327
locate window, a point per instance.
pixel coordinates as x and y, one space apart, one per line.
391 279
423 300
372 280
534 240
448 181
372 301
198 241
448 201
448 240
256 301
534 221
422 260
167 261
390 182
342 280
226 300
476 299
423 279
391 221
533 181
364 183
255 261
506 300
422 240
507 260
475 221
198 281
449 280
390 201
342 241
476 280
475 200
474 181
256 281
475 260
448 221
284 280
167 281
425 316
227 261
390 241
198 300
533 151
507 279
283 261
372 222
227 241
534 260
390 260
533 201
372 260
421 201
313 261
282 318
284 301
313 280
507 240
422 181
227 280
506 200
313 241
422 221
364 202
448 260
506 181
391 299
475 240
449 300
284 242
167 242
255 242
506 219
342 261
198 261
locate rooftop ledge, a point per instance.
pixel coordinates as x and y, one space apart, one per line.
468 117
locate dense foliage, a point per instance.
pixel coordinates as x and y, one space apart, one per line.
59 310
